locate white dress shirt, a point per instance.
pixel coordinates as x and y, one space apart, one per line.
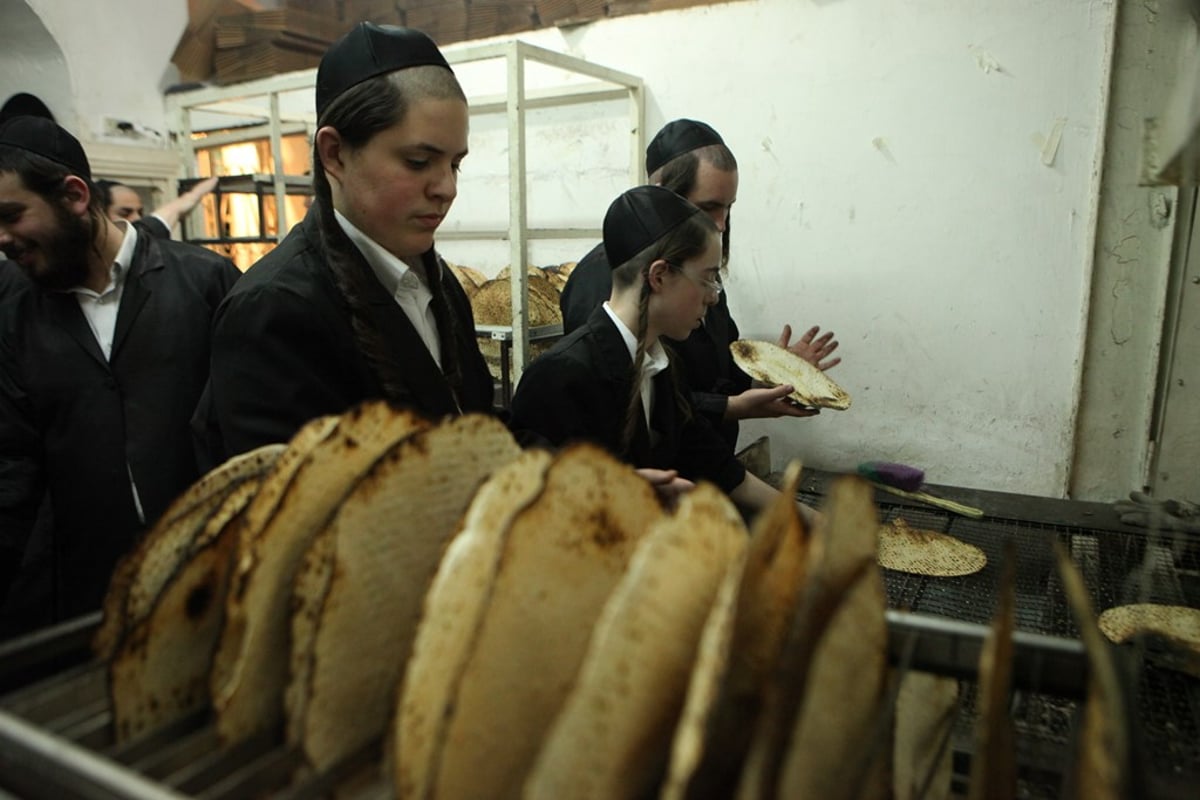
100 309
409 287
654 362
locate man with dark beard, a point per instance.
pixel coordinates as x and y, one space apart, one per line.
104 343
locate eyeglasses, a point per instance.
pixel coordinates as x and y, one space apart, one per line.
712 286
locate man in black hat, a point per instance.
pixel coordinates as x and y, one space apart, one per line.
104 340
691 159
355 303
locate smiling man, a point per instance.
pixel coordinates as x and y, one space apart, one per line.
104 341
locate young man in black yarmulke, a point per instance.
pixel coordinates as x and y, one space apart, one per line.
355 303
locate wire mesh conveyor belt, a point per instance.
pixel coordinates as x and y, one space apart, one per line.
56 737
1120 566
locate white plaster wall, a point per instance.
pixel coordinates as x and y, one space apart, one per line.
577 161
31 61
896 187
118 56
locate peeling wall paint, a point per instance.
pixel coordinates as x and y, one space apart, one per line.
31 61
985 60
1049 148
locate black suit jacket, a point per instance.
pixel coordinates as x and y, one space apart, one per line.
76 425
579 391
154 226
704 357
12 279
284 350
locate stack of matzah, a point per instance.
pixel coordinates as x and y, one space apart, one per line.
491 303
469 620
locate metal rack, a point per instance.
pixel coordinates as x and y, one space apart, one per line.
1120 564
56 740
269 109
517 100
504 335
260 185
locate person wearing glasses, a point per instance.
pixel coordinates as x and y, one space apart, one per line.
613 383
692 159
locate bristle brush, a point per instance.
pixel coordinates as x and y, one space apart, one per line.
905 481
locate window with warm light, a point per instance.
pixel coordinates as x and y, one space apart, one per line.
241 222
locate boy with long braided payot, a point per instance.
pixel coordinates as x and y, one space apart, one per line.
355 303
691 159
611 382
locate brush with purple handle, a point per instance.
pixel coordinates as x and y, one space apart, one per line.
898 476
906 481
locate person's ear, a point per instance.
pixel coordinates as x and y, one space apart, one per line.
656 274
76 195
329 150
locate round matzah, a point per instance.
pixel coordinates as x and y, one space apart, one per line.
492 304
1180 623
470 278
920 552
777 366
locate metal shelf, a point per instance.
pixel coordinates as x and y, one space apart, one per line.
258 184
505 335
608 84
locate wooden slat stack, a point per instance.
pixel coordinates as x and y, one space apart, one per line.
569 12
263 43
499 17
444 20
620 8
194 53
242 42
385 12
348 12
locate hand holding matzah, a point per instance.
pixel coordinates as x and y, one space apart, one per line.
777 366
766 403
